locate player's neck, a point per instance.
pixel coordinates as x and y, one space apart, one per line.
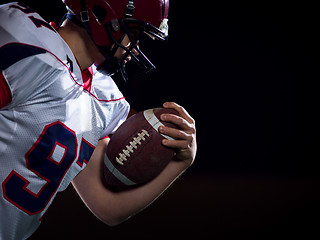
80 44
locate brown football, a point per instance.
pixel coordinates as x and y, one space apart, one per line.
135 154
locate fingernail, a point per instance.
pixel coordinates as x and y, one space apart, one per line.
163 117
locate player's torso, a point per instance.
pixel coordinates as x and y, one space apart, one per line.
49 130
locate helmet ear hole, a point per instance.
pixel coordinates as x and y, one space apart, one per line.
100 13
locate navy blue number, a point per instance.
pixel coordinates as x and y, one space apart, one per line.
40 23
36 21
22 8
86 150
40 160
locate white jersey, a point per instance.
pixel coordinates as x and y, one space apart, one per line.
50 120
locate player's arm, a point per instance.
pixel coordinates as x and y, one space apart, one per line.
115 207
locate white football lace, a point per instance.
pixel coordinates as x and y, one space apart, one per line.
132 146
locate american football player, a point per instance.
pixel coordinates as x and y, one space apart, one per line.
58 104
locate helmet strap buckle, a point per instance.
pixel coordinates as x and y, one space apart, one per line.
129 9
84 16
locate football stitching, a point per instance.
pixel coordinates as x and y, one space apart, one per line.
132 146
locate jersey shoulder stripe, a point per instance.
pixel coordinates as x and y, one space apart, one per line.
14 52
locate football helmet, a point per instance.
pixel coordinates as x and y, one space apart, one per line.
109 21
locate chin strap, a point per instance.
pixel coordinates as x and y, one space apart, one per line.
84 16
73 18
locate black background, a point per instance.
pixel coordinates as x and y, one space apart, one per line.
248 72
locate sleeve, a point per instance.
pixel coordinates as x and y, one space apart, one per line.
25 61
119 115
111 99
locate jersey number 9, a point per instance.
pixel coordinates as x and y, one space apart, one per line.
40 160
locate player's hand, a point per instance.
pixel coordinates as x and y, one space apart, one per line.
185 138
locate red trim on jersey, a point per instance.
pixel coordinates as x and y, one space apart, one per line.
87 76
71 75
5 93
54 25
104 137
